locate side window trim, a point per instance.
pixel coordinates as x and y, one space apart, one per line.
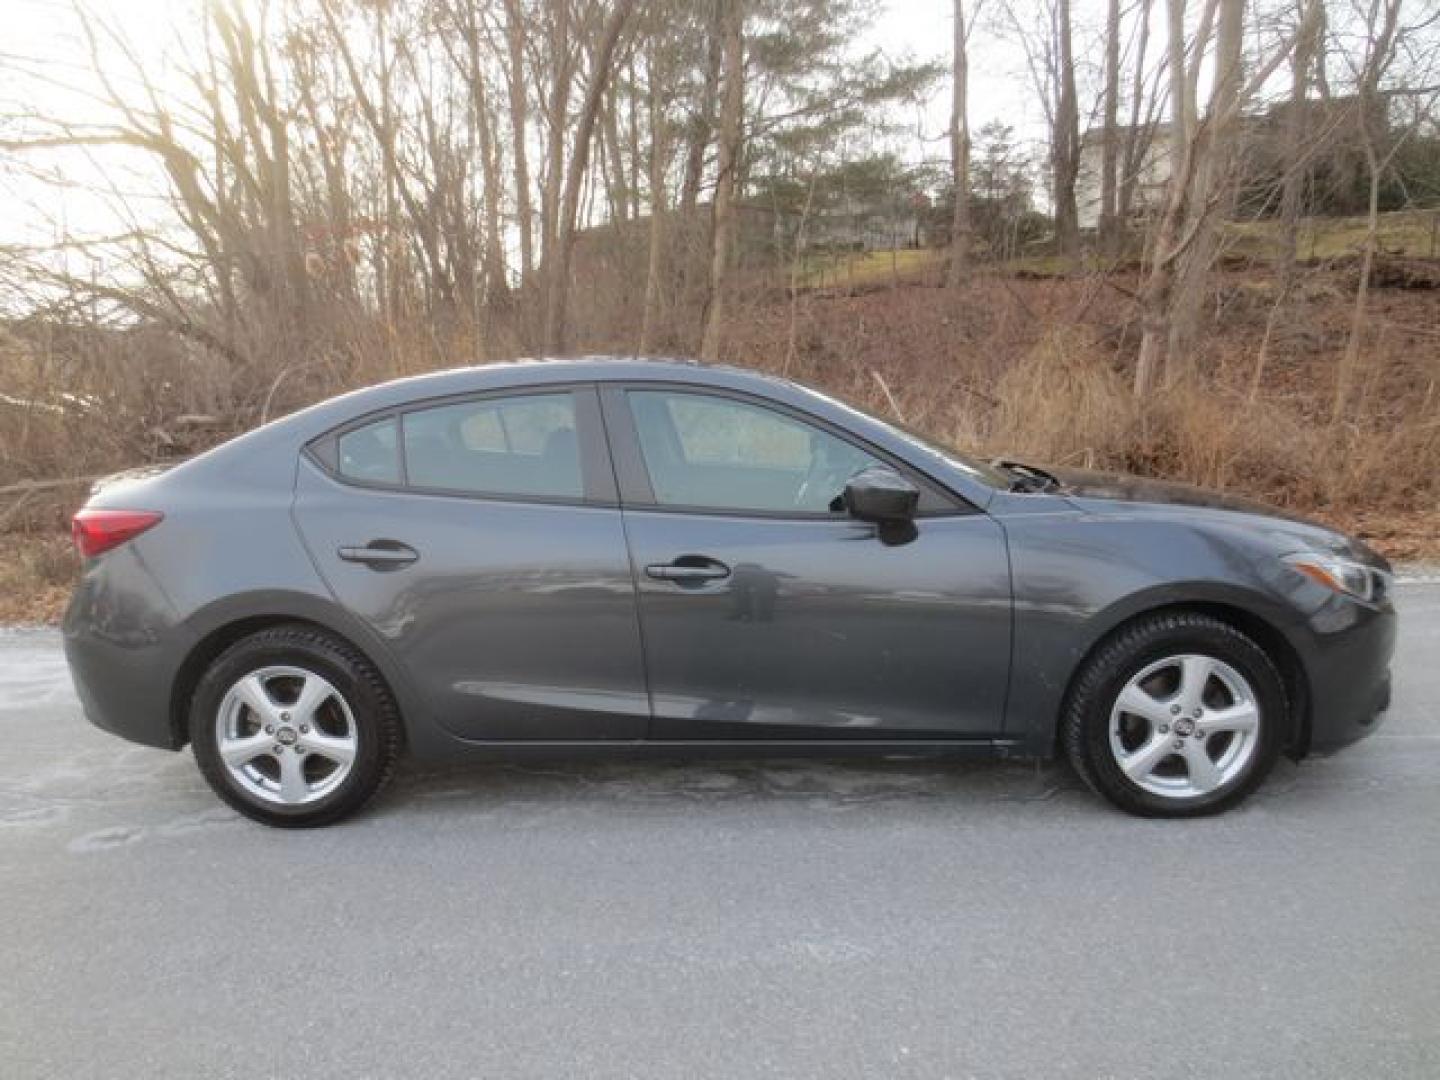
633 475
596 470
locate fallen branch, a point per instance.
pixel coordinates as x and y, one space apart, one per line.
26 488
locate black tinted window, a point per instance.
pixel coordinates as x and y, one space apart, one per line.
524 445
370 453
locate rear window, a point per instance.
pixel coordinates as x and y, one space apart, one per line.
370 454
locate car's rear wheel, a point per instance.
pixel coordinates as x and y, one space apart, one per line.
1176 715
293 727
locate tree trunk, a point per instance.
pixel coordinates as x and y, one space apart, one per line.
703 126
1065 139
1383 21
731 119
1109 133
659 153
1159 280
557 116
1212 196
1138 136
557 330
1292 189
959 154
493 260
519 122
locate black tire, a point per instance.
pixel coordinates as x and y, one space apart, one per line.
377 727
1085 725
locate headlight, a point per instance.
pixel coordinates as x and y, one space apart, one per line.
1342 575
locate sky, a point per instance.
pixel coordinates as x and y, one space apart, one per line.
39 43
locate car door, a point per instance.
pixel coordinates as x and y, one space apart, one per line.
482 539
768 613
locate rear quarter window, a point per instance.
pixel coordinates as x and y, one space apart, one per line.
370 454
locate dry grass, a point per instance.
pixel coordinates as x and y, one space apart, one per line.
35 578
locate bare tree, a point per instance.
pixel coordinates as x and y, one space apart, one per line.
959 151
701 128
1200 183
661 140
515 37
1381 21
558 292
1049 59
1065 134
1310 15
731 123
1109 130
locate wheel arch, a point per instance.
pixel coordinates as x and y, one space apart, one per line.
218 627
1263 630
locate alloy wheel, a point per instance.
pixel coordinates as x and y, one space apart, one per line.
1185 726
286 735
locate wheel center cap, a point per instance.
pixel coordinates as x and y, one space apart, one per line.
286 736
1184 726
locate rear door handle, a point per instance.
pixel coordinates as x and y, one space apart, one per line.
380 554
689 569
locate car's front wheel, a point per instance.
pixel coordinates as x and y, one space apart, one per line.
293 727
1176 715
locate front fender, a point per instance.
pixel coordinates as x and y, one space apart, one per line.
1078 580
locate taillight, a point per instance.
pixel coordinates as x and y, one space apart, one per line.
97 531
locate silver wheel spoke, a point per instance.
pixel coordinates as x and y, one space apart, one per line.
293 787
237 752
1241 717
251 691
1204 774
1142 762
340 750
313 693
1138 702
1195 674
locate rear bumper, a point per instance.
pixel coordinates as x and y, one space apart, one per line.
1349 673
124 647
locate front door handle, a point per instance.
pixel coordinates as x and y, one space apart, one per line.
689 569
380 554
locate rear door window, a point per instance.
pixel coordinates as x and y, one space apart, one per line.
524 445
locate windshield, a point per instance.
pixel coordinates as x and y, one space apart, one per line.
976 468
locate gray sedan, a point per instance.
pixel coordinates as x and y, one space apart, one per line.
613 556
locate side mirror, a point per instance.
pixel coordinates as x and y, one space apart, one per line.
881 495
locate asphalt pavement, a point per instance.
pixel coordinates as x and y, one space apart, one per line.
750 919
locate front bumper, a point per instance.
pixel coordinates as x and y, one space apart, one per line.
1348 668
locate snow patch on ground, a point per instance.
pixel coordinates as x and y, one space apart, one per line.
1418 574
32 670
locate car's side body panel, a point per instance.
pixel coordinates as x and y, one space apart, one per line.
821 626
517 620
821 629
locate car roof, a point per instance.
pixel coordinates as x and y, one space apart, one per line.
539 370
267 453
516 374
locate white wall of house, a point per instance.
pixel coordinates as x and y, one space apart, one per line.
1149 192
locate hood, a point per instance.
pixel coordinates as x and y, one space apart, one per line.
1118 487
1095 491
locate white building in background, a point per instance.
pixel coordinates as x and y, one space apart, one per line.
1152 175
